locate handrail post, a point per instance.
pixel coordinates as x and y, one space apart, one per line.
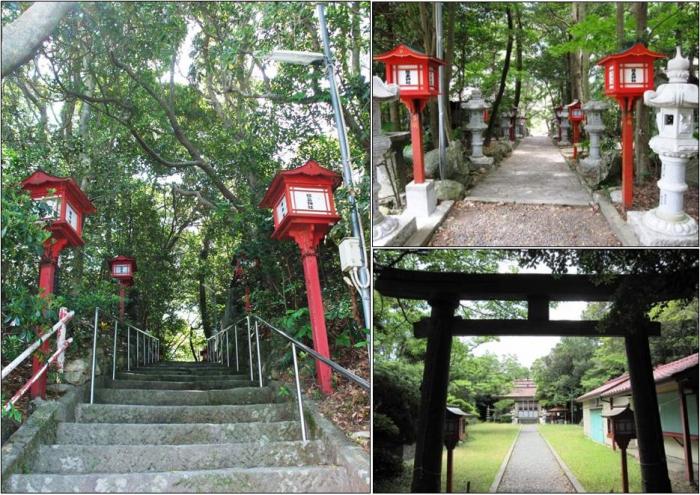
250 350
257 346
228 356
299 404
114 351
137 349
94 356
235 340
128 348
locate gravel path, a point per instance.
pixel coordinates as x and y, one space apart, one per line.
507 224
531 199
532 468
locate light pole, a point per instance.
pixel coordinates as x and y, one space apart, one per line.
361 281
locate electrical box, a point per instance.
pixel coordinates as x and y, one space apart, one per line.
350 254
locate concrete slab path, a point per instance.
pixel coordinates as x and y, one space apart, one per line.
534 174
532 467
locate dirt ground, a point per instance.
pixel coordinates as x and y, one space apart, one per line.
505 224
646 197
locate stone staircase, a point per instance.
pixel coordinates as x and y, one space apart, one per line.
181 427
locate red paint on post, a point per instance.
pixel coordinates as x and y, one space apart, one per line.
417 147
627 155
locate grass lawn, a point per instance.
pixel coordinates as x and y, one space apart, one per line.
478 458
596 466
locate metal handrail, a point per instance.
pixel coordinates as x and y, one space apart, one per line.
61 345
151 348
347 374
28 351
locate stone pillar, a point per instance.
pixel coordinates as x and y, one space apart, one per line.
384 226
594 127
668 224
520 129
564 124
505 125
476 106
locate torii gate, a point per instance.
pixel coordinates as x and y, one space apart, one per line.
444 291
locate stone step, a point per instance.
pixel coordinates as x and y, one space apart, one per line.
85 459
130 375
175 434
116 413
194 372
169 385
243 395
326 479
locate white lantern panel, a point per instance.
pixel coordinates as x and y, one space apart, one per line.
71 217
611 77
54 207
633 75
121 269
310 200
407 76
431 78
281 209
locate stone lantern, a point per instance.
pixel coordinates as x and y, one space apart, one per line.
520 132
564 127
505 124
668 224
557 114
477 106
386 229
594 127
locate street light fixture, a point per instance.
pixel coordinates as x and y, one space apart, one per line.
361 278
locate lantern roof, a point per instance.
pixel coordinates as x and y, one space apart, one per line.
456 411
122 258
310 169
403 51
638 50
41 179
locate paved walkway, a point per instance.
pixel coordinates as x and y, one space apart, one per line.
534 174
532 467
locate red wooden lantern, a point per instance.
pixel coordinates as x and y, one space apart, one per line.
575 117
122 268
68 206
67 203
304 210
627 76
416 74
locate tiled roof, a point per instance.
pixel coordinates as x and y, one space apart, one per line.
621 384
522 389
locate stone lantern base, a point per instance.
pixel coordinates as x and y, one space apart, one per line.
482 161
589 164
654 231
421 199
404 228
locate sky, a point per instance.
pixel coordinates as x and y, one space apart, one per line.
527 349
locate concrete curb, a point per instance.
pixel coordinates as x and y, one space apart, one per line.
567 472
499 476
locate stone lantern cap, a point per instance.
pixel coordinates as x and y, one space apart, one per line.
678 93
383 91
595 106
476 102
593 109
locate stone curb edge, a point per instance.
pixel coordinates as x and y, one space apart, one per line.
572 479
499 476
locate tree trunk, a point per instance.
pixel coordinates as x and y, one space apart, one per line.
642 133
23 36
356 39
449 58
504 76
583 58
518 56
203 310
620 24
428 28
395 115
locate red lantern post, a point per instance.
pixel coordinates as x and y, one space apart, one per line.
122 268
416 74
627 76
68 206
575 117
304 210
